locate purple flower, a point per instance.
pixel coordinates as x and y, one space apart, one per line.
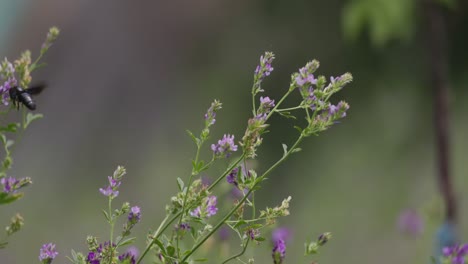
111 189
134 215
305 76
196 212
5 88
207 209
409 222
93 258
224 146
265 105
211 113
281 233
128 257
232 176
456 253
265 68
253 233
47 253
279 252
224 233
211 206
10 184
183 226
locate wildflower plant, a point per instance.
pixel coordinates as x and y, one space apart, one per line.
193 210
16 74
195 213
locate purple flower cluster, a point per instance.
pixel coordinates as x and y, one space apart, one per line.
95 256
232 176
266 104
111 189
265 68
207 209
279 251
128 258
338 110
211 113
11 185
47 253
134 215
410 222
281 233
253 233
224 146
456 253
5 88
305 75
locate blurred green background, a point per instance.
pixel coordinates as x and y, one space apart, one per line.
126 78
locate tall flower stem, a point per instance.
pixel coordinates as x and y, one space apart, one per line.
241 202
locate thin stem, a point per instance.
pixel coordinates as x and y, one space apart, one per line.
279 103
162 227
241 202
238 254
290 108
184 204
112 222
226 172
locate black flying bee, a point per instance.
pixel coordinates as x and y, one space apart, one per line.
19 95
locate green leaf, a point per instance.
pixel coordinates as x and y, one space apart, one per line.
127 241
3 245
201 260
180 183
287 115
259 239
106 215
13 127
171 250
160 245
296 150
239 223
195 139
31 117
6 198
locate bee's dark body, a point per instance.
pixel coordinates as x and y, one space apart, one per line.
19 95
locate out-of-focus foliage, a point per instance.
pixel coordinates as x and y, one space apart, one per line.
385 20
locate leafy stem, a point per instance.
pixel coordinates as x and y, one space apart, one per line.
241 202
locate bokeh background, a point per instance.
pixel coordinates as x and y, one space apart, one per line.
126 78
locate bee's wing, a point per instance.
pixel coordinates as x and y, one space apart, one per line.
36 88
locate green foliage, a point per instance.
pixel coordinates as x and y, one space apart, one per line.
385 20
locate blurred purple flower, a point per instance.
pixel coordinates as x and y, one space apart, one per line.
10 184
456 253
232 176
47 253
224 233
279 252
134 215
410 222
282 233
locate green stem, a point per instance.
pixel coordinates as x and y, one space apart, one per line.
162 227
241 202
112 222
238 254
184 206
279 103
289 109
226 172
